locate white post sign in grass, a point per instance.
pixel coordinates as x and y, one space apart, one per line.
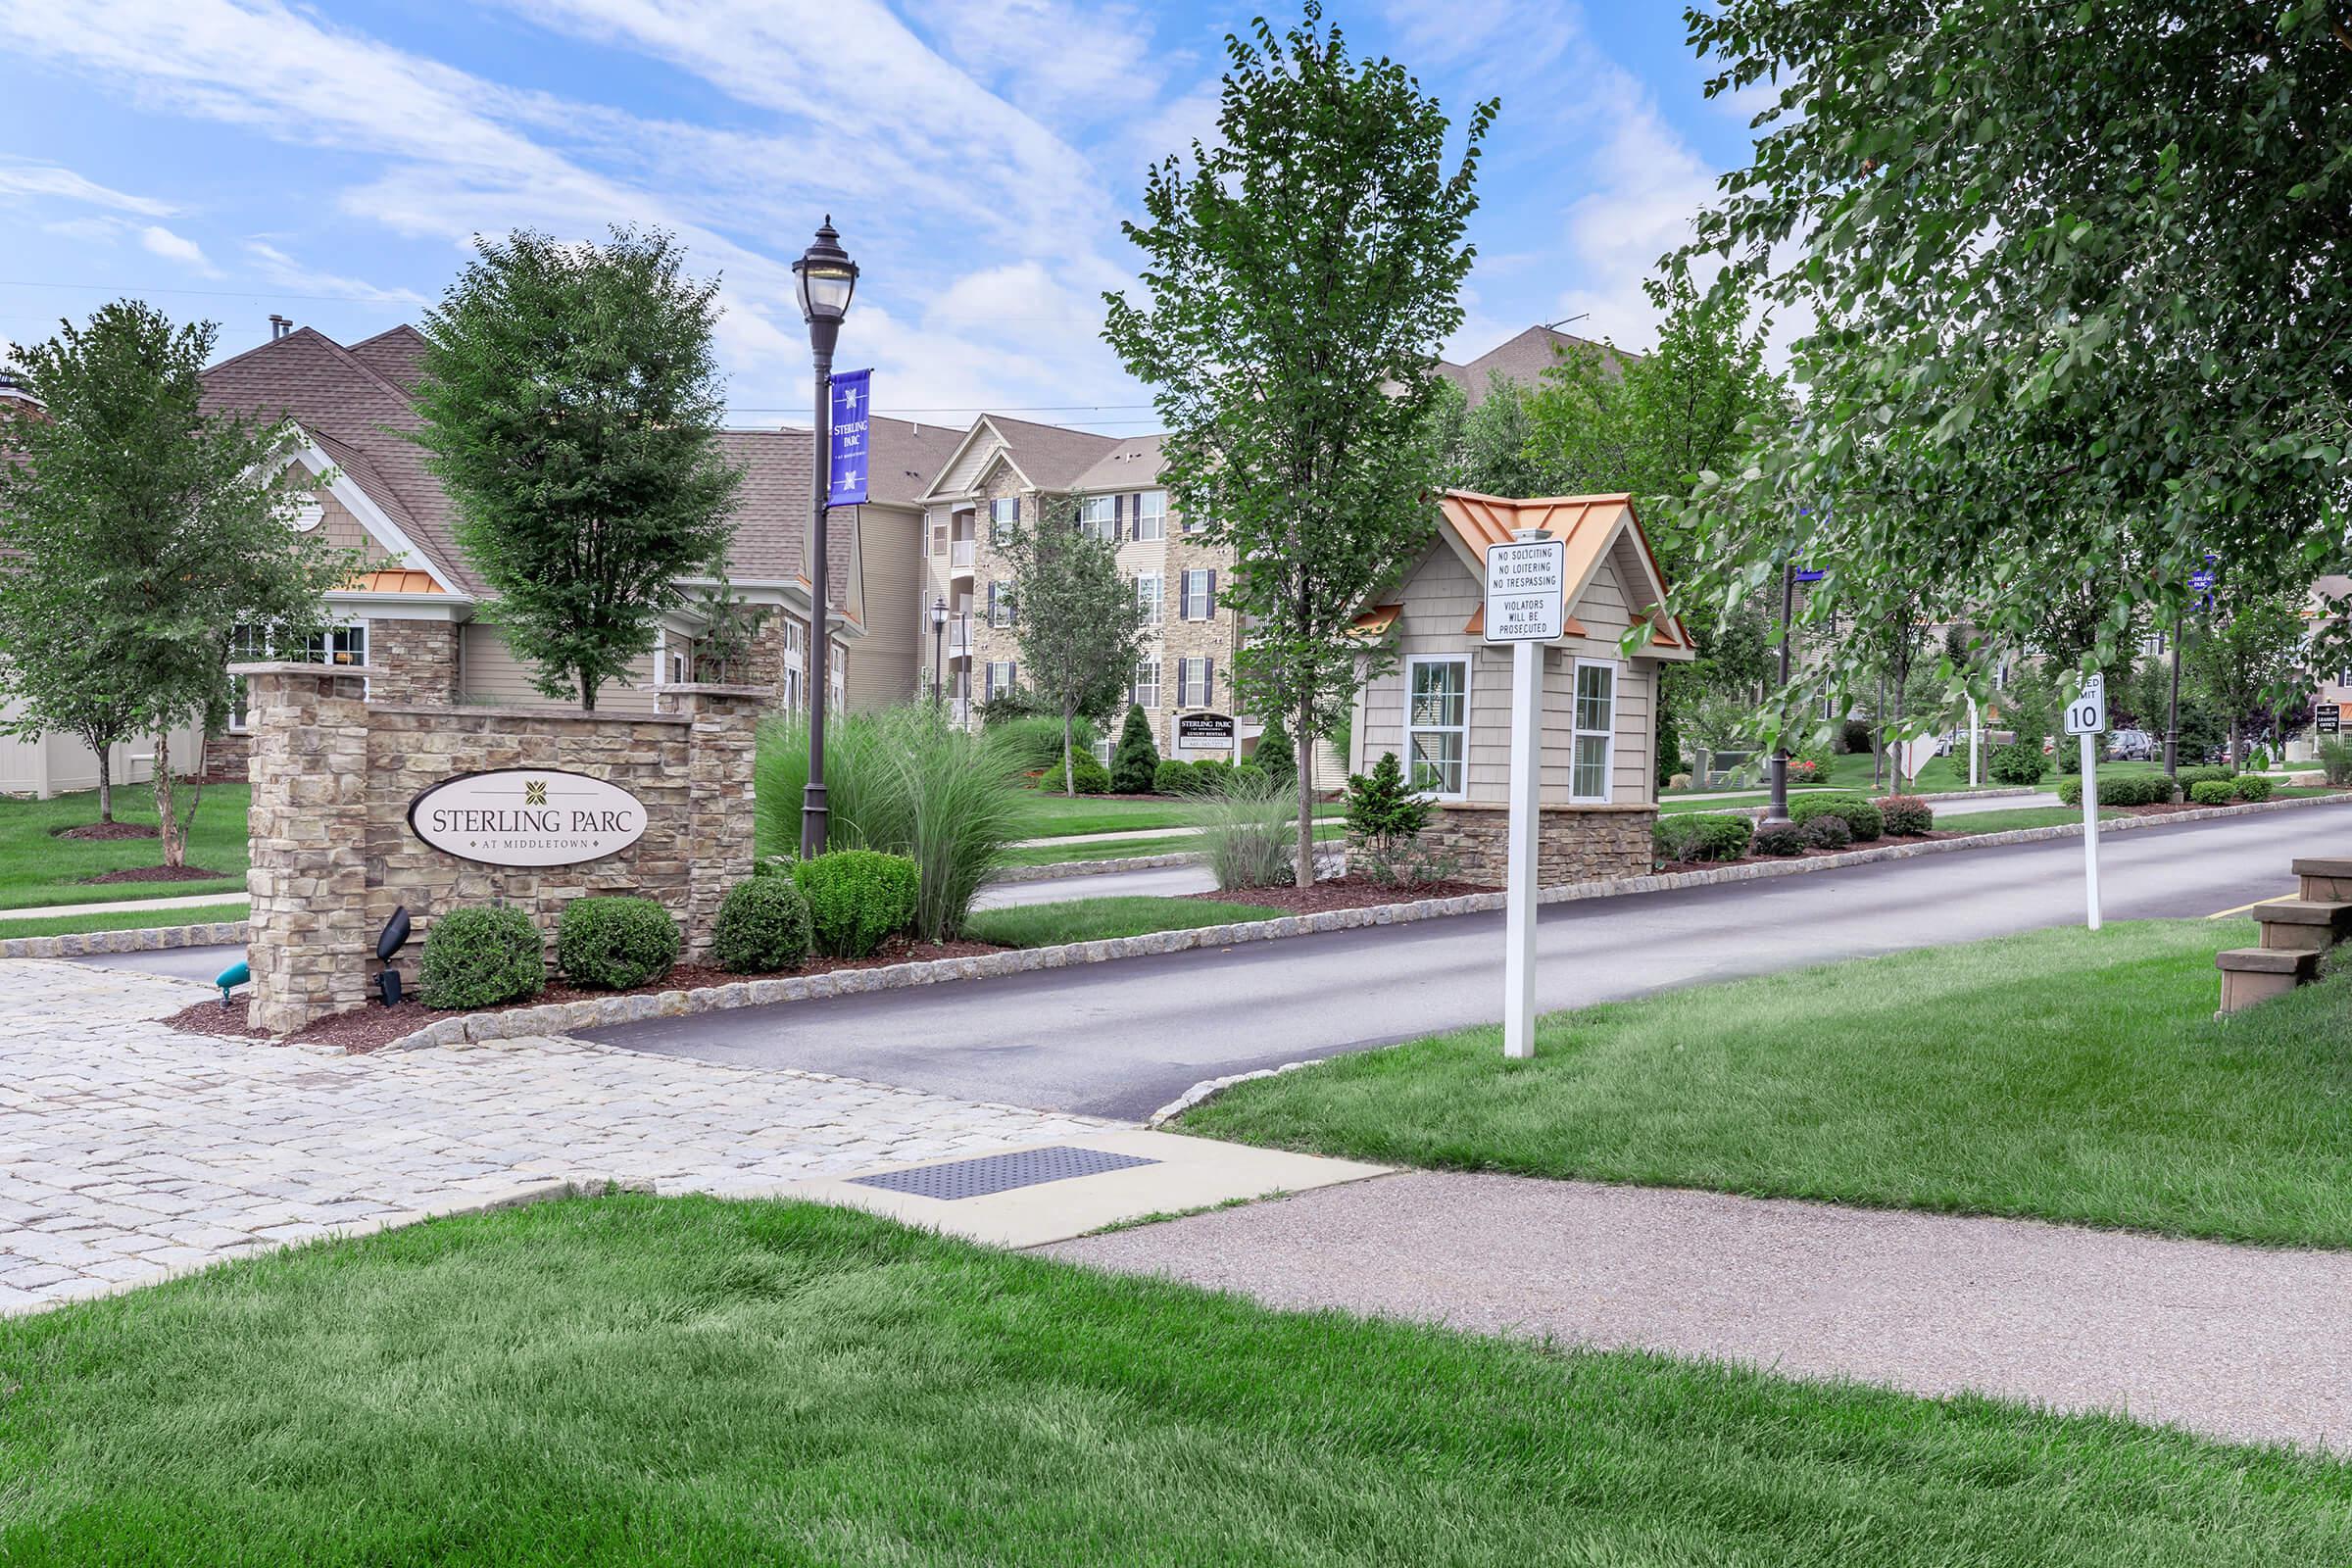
2086 716
1527 605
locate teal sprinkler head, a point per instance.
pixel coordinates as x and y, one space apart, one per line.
237 975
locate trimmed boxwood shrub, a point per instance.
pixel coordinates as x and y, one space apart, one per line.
480 957
1862 820
2121 789
1174 776
2191 777
762 925
1087 776
1212 775
2252 787
1702 836
856 899
2214 792
1782 839
1906 814
1828 832
2019 762
612 944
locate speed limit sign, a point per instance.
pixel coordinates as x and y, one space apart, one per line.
2086 715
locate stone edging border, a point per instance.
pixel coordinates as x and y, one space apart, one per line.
571 1018
151 939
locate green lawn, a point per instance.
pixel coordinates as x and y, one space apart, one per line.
1122 849
122 920
2068 1074
2022 816
38 868
1051 815
1047 925
640 1380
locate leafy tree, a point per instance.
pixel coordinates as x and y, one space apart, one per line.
1301 277
2250 654
730 628
159 528
1487 448
571 401
1136 761
2071 268
1077 620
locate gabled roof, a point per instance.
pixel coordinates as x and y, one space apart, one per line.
1132 463
1523 359
397 355
906 457
1592 527
1046 457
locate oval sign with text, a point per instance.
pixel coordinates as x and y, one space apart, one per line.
527 816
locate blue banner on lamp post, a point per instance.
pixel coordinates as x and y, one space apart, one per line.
846 460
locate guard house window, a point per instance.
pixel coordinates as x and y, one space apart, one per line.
1151 514
1150 589
1146 692
1199 602
1099 517
337 645
1436 723
1196 683
796 643
1596 730
1002 516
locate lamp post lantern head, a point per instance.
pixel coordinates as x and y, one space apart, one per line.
826 279
939 613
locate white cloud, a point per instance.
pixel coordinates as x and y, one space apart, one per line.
1069 63
161 241
26 179
283 269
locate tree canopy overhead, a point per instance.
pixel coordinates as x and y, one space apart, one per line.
2079 270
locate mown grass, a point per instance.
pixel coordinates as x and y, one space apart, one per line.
1122 849
122 920
38 868
1052 815
2066 1074
1045 925
640 1380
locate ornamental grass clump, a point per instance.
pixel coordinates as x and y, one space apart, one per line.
763 926
1246 830
481 957
615 944
858 898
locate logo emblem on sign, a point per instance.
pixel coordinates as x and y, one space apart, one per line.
537 817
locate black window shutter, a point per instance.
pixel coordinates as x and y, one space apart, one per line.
1119 518
1209 605
1209 683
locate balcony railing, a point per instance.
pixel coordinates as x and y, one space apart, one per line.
960 636
962 553
959 709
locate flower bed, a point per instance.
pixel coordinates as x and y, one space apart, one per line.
1355 892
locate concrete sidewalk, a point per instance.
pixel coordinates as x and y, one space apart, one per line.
2235 1341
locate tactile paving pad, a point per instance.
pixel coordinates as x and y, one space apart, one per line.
1001 1173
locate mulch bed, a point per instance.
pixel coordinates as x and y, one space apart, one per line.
107 830
366 1028
158 873
1342 893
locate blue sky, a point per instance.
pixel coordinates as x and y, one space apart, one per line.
229 157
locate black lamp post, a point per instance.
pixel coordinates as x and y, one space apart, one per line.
827 278
939 636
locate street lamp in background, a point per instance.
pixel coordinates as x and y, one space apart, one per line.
939 636
826 278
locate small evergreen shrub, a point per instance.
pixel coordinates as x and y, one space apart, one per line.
2019 762
480 957
1782 839
2252 787
857 898
1702 836
1212 775
763 926
1853 736
1135 761
614 944
1174 776
2070 792
1275 758
1906 815
2214 792
1828 833
1086 776
1384 819
1861 818
2335 759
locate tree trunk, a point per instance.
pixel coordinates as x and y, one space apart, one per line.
105 782
1305 751
1069 765
175 849
587 693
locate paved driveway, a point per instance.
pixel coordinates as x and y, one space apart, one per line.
128 1150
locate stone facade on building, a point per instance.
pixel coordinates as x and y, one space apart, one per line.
333 853
1573 843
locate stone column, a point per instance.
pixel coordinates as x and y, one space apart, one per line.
720 748
309 946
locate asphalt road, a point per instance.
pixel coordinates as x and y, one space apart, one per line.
1123 1039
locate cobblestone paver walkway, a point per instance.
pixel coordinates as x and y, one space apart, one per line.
130 1151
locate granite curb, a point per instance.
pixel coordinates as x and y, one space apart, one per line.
149 939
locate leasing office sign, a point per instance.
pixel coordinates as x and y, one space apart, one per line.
527 816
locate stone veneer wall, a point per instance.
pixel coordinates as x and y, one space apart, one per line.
413 661
333 855
1573 843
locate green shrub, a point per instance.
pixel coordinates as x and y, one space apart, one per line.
1906 815
1702 836
1174 776
2019 762
2121 789
2335 759
614 943
481 956
2252 787
1274 757
1031 744
1384 819
2214 792
1782 839
2191 777
1248 774
1862 820
2070 792
1853 736
1828 832
762 925
1086 776
857 898
1135 761
1212 774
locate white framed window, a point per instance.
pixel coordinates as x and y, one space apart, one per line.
1002 514
1437 725
1150 589
1193 524
999 678
795 651
1151 514
1195 682
1200 596
1596 730
1145 693
1101 750
1099 517
937 532
837 677
1000 604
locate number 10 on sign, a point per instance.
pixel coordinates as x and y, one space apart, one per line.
2087 717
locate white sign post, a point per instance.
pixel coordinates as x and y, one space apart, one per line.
1527 605
2086 716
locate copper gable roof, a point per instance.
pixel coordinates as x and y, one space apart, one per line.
1589 525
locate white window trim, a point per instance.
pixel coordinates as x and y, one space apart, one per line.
1099 517
1576 731
1135 688
1183 595
1159 521
1408 729
1000 530
1154 603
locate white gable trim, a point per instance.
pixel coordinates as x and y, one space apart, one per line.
964 448
373 517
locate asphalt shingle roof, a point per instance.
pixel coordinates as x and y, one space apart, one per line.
1523 359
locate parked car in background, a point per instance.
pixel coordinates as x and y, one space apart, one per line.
2131 746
